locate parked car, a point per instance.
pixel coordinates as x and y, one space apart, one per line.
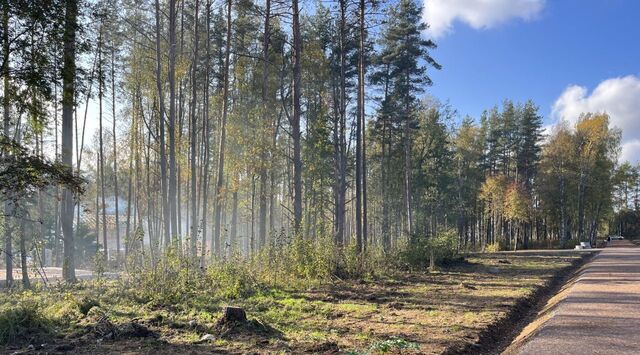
614 237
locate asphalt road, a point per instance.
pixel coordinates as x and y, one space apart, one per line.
600 313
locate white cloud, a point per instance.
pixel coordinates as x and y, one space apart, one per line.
479 14
618 97
631 151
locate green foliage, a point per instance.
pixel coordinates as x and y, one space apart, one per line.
370 263
99 263
296 261
444 245
22 172
174 278
169 279
494 247
288 263
85 304
232 279
421 251
393 344
517 204
23 321
571 243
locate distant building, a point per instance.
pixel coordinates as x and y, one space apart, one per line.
89 219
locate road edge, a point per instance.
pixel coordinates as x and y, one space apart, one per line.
498 337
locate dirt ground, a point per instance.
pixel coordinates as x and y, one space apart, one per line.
464 308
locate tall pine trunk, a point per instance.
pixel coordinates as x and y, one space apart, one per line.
163 160
262 213
172 120
8 210
581 202
115 152
207 135
407 179
563 214
384 170
68 95
101 150
194 137
221 141
233 229
23 254
362 156
339 138
128 239
56 212
295 121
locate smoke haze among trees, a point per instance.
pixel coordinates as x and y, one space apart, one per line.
227 129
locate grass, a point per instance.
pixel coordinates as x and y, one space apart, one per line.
417 312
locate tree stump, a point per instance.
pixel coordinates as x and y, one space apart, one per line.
233 315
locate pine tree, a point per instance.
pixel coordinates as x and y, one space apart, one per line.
68 95
528 149
407 55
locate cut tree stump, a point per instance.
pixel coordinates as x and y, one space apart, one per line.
233 315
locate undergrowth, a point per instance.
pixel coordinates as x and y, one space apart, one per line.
189 289
286 263
23 320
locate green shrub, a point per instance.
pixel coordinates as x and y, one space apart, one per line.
571 243
295 261
64 311
286 262
494 247
543 244
421 251
86 303
444 245
166 279
232 278
23 321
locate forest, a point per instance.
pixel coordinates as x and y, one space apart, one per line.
272 143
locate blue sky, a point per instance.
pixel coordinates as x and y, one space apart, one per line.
566 55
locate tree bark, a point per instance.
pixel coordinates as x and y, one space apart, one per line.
194 137
295 121
172 120
221 141
68 90
101 149
127 234
384 170
339 138
207 133
253 220
262 213
6 118
358 177
115 152
361 125
581 202
563 214
233 229
163 160
23 254
407 164
56 212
